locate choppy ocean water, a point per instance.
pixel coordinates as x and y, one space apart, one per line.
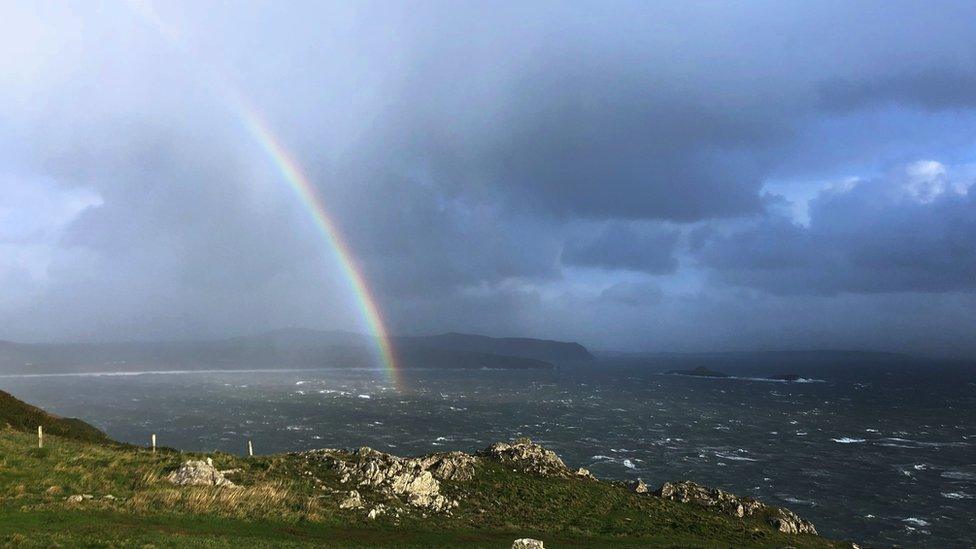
884 460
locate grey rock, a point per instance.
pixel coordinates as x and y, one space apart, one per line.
639 487
584 473
199 473
527 543
450 465
352 501
376 512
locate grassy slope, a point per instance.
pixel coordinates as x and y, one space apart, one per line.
281 506
20 416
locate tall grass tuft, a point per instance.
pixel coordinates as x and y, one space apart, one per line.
261 500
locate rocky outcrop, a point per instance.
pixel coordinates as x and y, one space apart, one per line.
527 543
788 522
584 473
782 519
450 465
410 479
417 481
529 457
199 473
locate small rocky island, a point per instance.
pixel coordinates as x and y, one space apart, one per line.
785 377
700 371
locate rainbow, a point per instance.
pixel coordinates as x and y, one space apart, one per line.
296 179
291 172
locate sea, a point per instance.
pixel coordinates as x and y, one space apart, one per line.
882 458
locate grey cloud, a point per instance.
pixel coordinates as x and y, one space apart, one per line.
622 246
890 234
934 89
461 148
634 294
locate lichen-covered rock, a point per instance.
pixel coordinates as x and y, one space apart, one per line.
703 496
780 518
421 490
407 478
199 473
376 512
527 543
353 501
529 457
584 473
639 487
450 465
788 522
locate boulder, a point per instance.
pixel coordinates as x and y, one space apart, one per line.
376 512
199 473
527 543
352 501
639 487
780 518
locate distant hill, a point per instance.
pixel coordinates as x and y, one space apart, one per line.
292 348
20 416
700 371
540 349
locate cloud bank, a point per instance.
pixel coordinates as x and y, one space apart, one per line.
626 175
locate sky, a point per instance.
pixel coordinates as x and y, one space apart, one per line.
635 176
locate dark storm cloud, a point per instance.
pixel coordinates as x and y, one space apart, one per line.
620 246
593 144
939 89
905 232
418 241
570 124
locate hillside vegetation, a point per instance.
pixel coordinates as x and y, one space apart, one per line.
80 492
20 416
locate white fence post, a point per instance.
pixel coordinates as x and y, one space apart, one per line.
40 436
154 443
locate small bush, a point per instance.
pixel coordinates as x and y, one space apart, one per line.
39 453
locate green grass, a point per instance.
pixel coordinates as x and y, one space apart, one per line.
282 505
20 416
